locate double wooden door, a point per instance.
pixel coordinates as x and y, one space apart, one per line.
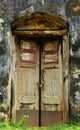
39 92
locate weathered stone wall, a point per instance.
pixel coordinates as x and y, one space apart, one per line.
74 16
4 70
68 10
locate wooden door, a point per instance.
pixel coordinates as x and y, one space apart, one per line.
39 82
52 83
27 79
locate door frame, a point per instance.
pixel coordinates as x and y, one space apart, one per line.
13 77
38 31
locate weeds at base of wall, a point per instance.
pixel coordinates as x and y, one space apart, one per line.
21 126
23 121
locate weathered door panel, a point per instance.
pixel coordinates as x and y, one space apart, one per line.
52 76
51 89
28 76
28 91
52 83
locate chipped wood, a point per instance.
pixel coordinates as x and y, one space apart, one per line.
40 32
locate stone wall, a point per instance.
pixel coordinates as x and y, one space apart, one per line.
68 10
75 59
4 69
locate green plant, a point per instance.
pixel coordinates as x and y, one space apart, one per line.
23 121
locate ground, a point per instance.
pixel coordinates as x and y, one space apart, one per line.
12 126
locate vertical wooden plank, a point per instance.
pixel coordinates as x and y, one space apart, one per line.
66 73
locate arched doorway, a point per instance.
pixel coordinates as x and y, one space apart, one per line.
42 56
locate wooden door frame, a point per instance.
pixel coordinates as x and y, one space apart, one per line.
12 79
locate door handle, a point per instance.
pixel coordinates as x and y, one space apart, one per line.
43 82
39 85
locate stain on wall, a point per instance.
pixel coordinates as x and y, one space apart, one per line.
75 59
